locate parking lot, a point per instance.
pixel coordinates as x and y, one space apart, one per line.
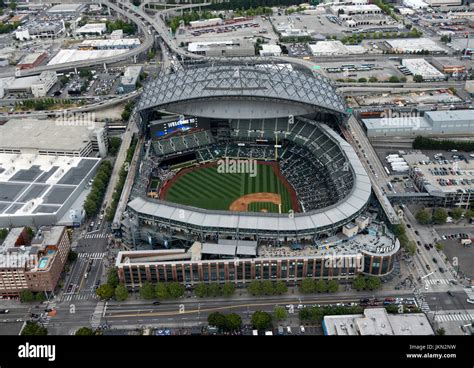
453 248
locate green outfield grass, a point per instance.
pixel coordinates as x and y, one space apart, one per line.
206 188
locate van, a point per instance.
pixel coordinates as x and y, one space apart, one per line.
288 330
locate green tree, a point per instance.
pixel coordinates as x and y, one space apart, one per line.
261 320
3 234
175 290
114 145
359 283
410 247
147 291
34 329
267 287
280 287
456 213
233 322
417 78
373 283
84 331
228 289
161 291
217 319
307 286
121 292
26 296
439 216
40 297
423 216
105 292
441 331
333 286
214 290
112 277
469 214
201 290
71 256
320 286
280 313
439 246
393 79
254 288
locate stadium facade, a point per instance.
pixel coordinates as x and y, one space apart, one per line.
246 110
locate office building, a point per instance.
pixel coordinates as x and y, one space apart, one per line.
32 264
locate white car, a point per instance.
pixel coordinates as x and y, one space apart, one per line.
302 329
470 301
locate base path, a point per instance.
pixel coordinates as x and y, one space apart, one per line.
241 204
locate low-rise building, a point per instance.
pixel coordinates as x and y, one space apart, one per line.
337 9
270 50
91 29
67 9
350 229
423 68
110 44
36 29
376 321
449 65
32 60
223 48
206 23
36 85
117 34
414 45
328 48
130 77
444 3
433 123
32 264
44 83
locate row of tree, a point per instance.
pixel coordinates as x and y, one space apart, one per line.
27 296
316 314
112 288
442 144
114 145
309 285
437 216
401 233
213 290
99 186
41 104
392 79
366 283
257 288
225 322
121 182
358 37
162 290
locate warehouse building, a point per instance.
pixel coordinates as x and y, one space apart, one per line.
223 48
355 9
206 23
376 321
449 66
64 136
32 264
433 123
92 29
329 48
32 60
270 50
110 44
423 68
69 56
444 3
415 4
67 9
413 45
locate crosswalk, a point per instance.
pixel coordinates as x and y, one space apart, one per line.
437 281
79 296
97 315
421 302
454 317
97 255
95 236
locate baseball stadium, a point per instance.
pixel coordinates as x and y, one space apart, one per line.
243 151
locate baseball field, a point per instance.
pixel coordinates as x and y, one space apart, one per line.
205 187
